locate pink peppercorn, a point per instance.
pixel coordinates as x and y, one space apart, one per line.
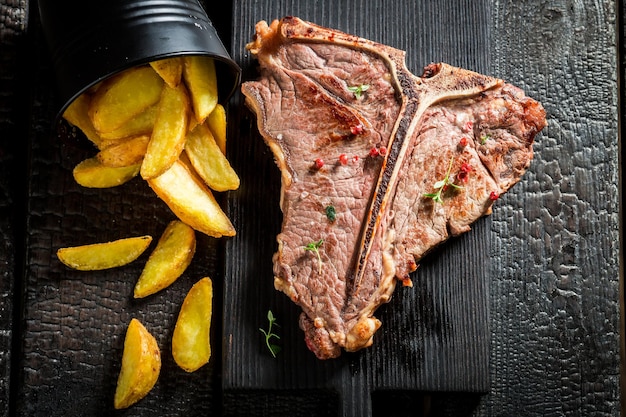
465 167
356 130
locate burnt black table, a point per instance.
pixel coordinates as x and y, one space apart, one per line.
538 282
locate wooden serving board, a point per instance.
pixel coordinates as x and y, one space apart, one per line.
434 336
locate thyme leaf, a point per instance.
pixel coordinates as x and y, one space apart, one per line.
269 334
358 90
314 247
441 185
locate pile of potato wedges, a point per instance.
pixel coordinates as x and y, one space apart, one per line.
160 121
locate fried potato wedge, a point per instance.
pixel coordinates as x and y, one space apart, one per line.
208 160
199 75
91 173
191 341
140 124
168 136
217 125
77 114
170 69
191 200
123 96
141 365
124 153
169 259
106 255
192 123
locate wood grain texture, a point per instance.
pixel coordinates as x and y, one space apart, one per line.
555 287
13 105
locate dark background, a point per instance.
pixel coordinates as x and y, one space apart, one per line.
552 248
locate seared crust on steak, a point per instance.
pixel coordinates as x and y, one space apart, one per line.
374 156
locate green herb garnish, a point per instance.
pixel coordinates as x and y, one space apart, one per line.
358 89
314 247
484 138
331 213
442 185
269 334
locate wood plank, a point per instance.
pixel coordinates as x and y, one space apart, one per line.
14 102
435 337
556 261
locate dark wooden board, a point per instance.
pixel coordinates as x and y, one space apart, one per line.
13 174
556 241
435 336
553 244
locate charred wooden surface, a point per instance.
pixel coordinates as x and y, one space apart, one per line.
550 252
556 265
14 103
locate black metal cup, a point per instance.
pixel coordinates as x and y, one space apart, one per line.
90 40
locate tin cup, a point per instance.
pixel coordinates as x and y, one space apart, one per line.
91 40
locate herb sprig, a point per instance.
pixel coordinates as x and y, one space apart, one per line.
441 185
358 90
269 334
315 247
331 213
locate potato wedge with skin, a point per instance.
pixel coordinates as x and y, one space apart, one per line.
77 114
169 259
199 75
125 152
191 341
191 200
123 96
141 366
106 255
168 136
208 160
141 124
217 125
91 173
170 69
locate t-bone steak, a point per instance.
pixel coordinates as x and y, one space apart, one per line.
378 167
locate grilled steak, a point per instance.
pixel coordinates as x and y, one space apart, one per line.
378 167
